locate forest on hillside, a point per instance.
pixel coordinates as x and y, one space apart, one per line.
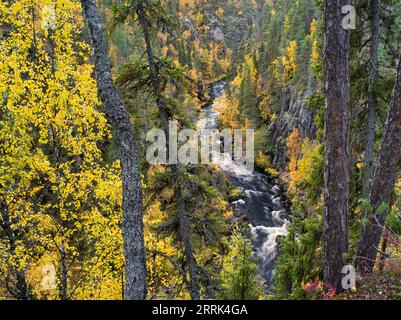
92 90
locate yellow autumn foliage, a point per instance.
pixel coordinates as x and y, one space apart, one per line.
53 180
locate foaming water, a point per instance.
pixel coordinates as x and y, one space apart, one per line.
267 251
262 200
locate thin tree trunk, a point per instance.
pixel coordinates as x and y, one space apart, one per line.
372 99
21 291
383 181
383 251
132 226
185 229
336 167
63 285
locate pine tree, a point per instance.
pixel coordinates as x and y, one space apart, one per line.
383 182
240 273
337 151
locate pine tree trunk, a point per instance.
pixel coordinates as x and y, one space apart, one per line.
372 99
336 167
383 181
132 226
164 117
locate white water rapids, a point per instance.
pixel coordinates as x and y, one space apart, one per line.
262 200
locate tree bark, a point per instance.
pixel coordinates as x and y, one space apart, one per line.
185 229
383 252
383 181
132 226
21 290
336 166
63 279
372 99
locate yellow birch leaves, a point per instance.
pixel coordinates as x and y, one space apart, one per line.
61 195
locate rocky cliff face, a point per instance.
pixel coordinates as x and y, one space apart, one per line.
233 27
294 114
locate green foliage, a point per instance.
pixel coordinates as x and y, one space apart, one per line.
365 205
239 276
382 209
300 257
248 98
136 75
393 222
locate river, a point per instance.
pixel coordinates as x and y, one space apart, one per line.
262 199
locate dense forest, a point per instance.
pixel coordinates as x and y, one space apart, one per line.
84 214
